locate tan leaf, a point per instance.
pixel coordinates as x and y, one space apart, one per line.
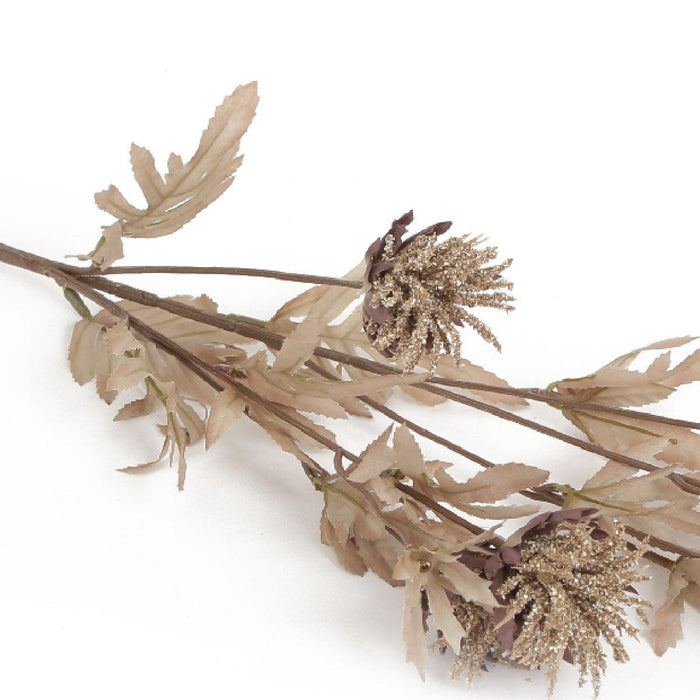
325 302
109 247
226 409
380 556
377 457
129 372
140 407
409 458
413 634
119 339
469 584
185 189
496 483
348 556
684 583
361 387
298 346
83 350
466 371
445 621
617 385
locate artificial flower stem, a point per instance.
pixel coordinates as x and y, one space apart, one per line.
531 394
232 271
274 340
205 371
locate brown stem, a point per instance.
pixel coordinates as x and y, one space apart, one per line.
274 341
214 377
531 394
38 264
234 271
559 401
210 374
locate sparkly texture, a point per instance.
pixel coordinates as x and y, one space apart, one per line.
480 642
568 591
418 290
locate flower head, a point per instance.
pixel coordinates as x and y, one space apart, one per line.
419 290
567 594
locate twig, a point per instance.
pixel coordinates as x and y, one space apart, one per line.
233 271
275 340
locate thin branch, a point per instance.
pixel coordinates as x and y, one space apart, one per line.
214 376
38 264
232 271
275 340
558 401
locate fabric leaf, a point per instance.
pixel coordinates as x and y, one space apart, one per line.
185 189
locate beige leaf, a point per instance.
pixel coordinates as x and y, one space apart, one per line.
109 247
83 350
469 584
283 389
129 372
227 408
445 621
140 407
298 346
413 634
325 302
377 457
617 385
348 556
409 458
468 372
185 189
683 584
119 339
496 483
380 556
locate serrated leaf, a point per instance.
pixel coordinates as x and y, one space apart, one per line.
497 483
82 352
226 409
184 190
684 586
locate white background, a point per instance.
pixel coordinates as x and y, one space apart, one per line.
567 132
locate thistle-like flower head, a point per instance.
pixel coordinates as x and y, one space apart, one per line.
568 593
419 290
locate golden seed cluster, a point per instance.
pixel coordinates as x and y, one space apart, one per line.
570 592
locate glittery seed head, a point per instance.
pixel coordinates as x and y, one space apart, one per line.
419 290
480 643
568 594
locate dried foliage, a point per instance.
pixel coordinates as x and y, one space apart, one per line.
177 196
683 587
619 386
557 589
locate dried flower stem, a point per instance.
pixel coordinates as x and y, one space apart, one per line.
274 341
215 377
233 271
549 494
38 264
557 401
541 395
